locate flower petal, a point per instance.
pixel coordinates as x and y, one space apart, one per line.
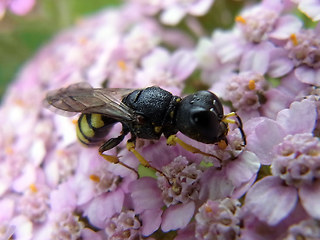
267 134
242 189
308 75
200 8
257 58
21 7
215 185
280 64
145 194
311 8
6 209
151 220
310 195
22 227
112 202
173 15
279 67
243 169
182 64
88 234
27 178
270 200
299 118
177 216
277 100
64 198
157 58
285 26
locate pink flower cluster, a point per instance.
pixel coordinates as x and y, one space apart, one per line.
267 68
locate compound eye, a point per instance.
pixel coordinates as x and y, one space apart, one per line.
203 119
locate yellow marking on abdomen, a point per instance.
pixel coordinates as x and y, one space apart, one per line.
85 128
80 136
96 120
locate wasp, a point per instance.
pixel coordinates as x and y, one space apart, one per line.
145 113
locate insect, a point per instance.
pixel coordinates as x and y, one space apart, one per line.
144 113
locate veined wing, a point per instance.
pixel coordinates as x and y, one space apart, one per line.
81 97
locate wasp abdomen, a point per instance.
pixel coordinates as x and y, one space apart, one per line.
93 128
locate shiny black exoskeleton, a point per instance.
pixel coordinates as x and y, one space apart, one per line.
199 115
157 108
145 113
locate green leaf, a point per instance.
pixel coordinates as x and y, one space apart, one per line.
146 172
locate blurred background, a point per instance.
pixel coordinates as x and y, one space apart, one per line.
21 36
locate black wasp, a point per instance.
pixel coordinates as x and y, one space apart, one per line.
144 113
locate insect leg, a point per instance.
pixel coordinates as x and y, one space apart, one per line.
111 143
142 160
226 119
173 140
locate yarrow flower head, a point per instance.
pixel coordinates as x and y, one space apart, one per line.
297 159
308 229
35 204
184 182
257 23
304 48
266 68
294 164
218 219
67 225
245 91
123 226
304 51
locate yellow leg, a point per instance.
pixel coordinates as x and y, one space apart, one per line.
231 114
142 160
227 120
115 160
173 140
238 123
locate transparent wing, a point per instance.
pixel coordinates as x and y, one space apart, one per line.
81 97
